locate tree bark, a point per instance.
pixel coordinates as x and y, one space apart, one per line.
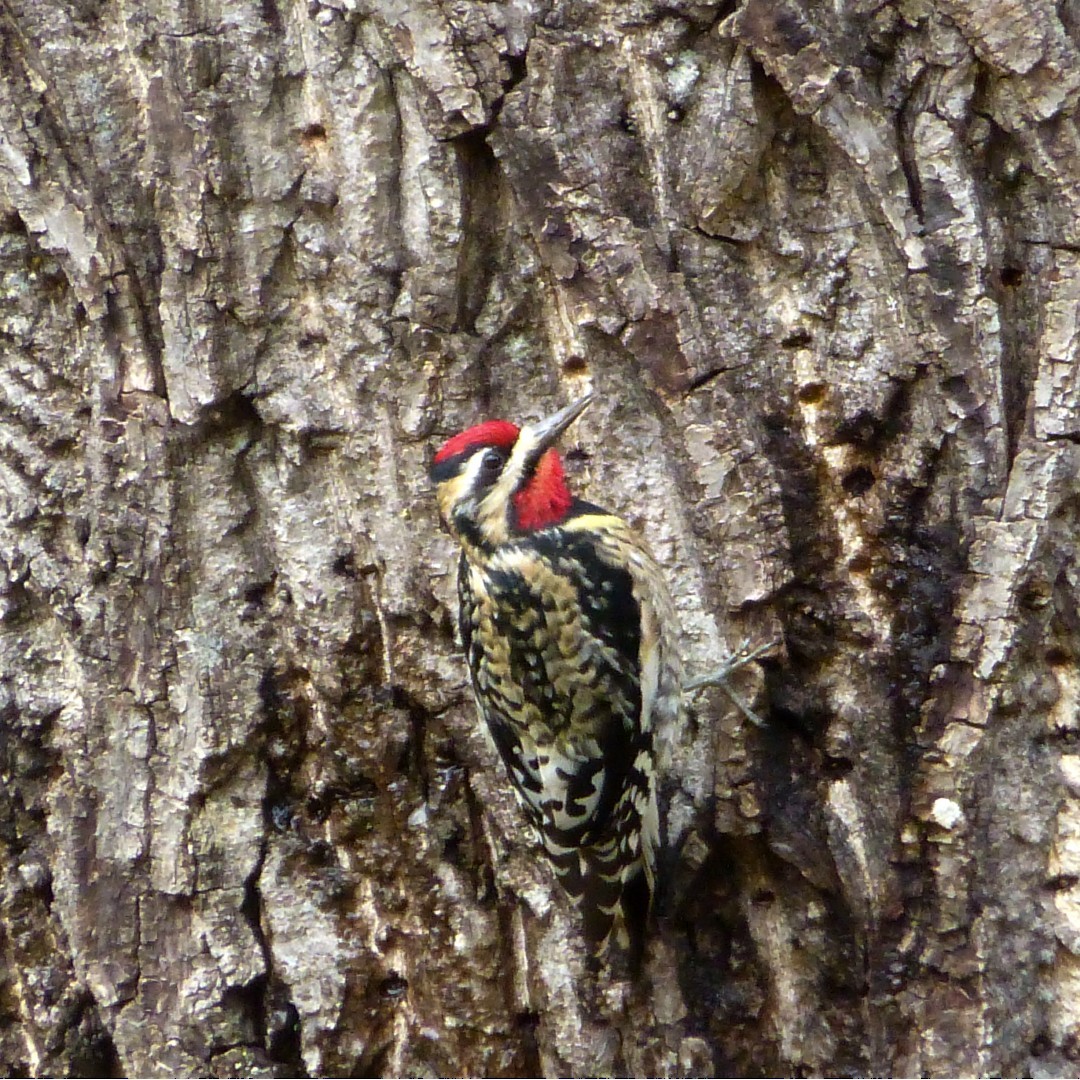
820 265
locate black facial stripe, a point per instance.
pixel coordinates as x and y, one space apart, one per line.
529 471
451 466
470 531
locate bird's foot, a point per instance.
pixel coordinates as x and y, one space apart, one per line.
743 655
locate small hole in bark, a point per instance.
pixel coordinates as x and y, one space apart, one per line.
861 563
836 768
859 481
62 445
764 896
345 565
1035 596
797 339
812 394
312 134
1057 657
1070 1047
575 365
318 807
1041 1045
1011 276
393 986
320 853
256 594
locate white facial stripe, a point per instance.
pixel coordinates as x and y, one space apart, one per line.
453 491
493 507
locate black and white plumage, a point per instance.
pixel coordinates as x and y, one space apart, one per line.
569 635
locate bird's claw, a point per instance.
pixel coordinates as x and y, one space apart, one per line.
743 655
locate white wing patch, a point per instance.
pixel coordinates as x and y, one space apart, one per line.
649 654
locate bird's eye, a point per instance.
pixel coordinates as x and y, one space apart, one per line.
492 463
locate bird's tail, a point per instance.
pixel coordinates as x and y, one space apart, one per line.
613 890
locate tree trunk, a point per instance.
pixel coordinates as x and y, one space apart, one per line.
820 265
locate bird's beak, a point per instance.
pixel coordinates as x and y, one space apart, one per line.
547 431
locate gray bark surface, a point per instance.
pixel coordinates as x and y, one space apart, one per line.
820 265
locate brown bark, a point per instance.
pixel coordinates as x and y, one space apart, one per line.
819 264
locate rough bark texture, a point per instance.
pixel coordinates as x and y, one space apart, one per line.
821 265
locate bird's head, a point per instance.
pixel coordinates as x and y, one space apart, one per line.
496 480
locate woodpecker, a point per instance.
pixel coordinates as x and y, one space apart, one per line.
569 633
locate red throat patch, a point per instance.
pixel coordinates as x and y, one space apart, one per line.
545 499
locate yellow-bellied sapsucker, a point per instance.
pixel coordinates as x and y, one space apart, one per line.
570 638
